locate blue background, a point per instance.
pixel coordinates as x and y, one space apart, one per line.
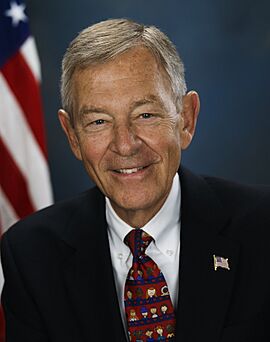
225 46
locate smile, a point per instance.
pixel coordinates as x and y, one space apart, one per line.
129 171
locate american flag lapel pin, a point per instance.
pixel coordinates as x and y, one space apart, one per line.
221 262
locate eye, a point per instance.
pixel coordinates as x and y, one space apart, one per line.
97 122
146 115
94 122
94 125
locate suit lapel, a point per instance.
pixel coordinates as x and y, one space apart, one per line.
204 294
88 273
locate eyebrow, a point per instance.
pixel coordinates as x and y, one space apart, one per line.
147 100
90 109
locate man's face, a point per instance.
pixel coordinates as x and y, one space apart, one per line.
149 333
164 308
151 292
128 132
160 331
132 313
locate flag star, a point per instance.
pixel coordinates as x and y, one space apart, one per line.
16 12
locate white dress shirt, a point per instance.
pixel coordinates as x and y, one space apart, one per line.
164 227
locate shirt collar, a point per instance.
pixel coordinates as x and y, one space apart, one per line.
162 227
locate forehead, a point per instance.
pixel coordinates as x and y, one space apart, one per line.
134 74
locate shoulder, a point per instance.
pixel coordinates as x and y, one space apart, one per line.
234 197
250 201
240 199
50 226
246 207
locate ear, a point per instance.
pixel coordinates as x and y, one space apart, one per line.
189 116
70 133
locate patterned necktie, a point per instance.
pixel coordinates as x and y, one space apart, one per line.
149 310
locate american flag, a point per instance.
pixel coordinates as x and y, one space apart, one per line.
221 262
24 175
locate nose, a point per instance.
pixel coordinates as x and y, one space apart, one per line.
125 141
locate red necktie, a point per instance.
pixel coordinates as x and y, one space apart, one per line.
149 310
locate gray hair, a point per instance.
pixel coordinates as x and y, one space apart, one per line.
104 41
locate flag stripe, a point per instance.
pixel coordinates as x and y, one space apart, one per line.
29 52
24 173
7 213
27 93
17 136
13 184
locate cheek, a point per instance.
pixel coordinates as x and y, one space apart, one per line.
93 149
163 138
170 150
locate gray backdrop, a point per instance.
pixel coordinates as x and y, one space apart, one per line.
225 46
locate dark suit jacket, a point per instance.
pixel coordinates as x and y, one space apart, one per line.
60 285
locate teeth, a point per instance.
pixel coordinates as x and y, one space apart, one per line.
129 171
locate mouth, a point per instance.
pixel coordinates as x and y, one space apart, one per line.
129 171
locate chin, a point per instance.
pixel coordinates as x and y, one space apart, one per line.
132 203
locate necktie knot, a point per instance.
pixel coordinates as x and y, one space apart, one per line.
137 240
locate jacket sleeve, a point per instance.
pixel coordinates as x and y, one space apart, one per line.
23 321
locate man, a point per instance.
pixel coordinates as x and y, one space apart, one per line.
87 269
